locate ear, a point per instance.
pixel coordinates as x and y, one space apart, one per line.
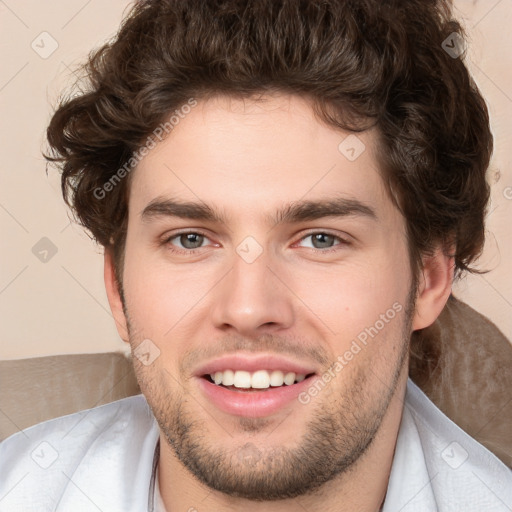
114 297
434 288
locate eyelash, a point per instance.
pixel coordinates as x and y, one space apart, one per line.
342 242
174 249
177 250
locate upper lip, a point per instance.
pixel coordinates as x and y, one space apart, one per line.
252 363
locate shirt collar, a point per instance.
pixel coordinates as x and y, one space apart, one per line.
153 489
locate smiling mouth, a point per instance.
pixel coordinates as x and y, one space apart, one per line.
260 380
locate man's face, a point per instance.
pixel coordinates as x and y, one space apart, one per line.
266 287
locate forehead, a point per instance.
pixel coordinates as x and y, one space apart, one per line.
256 155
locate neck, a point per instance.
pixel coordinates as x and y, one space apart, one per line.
363 487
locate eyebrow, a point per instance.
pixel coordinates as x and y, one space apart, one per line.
297 211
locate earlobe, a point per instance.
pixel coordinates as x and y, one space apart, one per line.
114 297
434 288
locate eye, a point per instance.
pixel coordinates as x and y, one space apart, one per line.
187 241
321 240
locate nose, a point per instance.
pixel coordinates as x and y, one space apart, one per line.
252 300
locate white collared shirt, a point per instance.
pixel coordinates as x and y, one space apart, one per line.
105 459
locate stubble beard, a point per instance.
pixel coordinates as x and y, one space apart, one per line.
334 440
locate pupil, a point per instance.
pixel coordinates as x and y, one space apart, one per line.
322 240
191 240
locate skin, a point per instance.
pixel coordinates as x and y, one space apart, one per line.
248 160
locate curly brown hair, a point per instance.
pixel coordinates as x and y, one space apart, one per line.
362 63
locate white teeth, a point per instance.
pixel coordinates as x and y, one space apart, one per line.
289 378
276 378
242 379
228 378
261 379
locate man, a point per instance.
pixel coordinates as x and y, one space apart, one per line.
285 192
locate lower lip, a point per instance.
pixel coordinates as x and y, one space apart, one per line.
253 404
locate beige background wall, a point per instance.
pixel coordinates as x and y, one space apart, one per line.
54 302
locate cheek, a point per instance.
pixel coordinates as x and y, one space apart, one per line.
161 298
348 298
